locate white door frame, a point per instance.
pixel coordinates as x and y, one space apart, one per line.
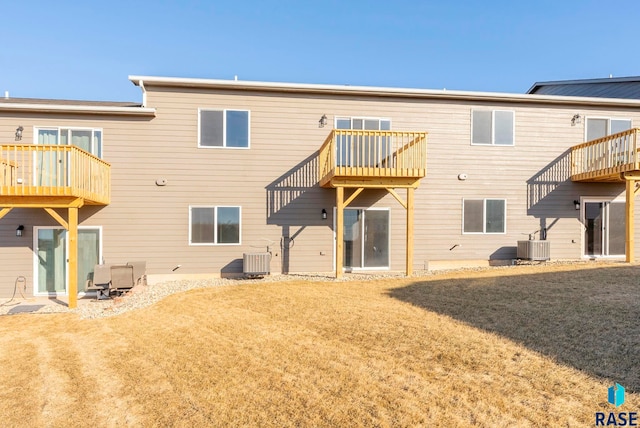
583 221
344 268
66 280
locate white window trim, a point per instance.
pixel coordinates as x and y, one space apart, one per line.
484 216
215 228
608 119
224 128
35 230
73 128
351 118
335 219
596 199
493 128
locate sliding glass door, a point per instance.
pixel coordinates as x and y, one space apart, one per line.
604 228
366 238
51 253
51 250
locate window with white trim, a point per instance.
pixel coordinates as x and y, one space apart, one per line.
214 225
484 216
362 150
364 123
88 139
492 127
223 128
598 127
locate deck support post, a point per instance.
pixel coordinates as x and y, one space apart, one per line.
630 195
339 230
409 250
73 257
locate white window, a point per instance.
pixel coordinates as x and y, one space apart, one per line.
223 128
88 139
492 127
369 124
362 150
601 127
212 225
484 216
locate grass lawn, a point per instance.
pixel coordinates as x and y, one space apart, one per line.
518 346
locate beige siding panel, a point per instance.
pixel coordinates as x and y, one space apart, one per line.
275 182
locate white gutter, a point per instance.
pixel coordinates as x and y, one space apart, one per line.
82 109
379 91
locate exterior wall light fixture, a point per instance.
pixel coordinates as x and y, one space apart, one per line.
323 121
324 214
576 203
19 230
19 130
576 119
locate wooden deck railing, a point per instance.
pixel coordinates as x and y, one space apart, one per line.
50 170
362 154
605 158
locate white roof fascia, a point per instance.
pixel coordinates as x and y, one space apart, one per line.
69 108
381 91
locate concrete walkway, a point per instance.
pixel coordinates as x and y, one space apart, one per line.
40 304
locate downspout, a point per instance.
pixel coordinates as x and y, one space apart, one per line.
144 93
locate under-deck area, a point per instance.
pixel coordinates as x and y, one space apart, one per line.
355 160
52 177
613 158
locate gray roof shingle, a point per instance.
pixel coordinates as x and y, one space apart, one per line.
618 87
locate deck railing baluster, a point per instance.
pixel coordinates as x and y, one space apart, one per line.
53 171
605 158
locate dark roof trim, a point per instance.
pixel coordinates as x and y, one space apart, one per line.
537 85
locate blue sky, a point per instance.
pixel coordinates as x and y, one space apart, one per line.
85 50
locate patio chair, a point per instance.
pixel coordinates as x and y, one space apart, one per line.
100 282
121 278
139 272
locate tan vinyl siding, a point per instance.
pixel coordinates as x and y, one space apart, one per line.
284 129
275 182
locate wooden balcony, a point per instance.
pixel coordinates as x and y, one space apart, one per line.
52 176
355 158
606 159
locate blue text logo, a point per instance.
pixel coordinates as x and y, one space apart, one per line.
616 419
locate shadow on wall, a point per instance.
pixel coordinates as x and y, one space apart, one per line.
550 193
291 195
294 201
583 318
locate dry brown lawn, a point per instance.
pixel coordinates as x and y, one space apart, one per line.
522 346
